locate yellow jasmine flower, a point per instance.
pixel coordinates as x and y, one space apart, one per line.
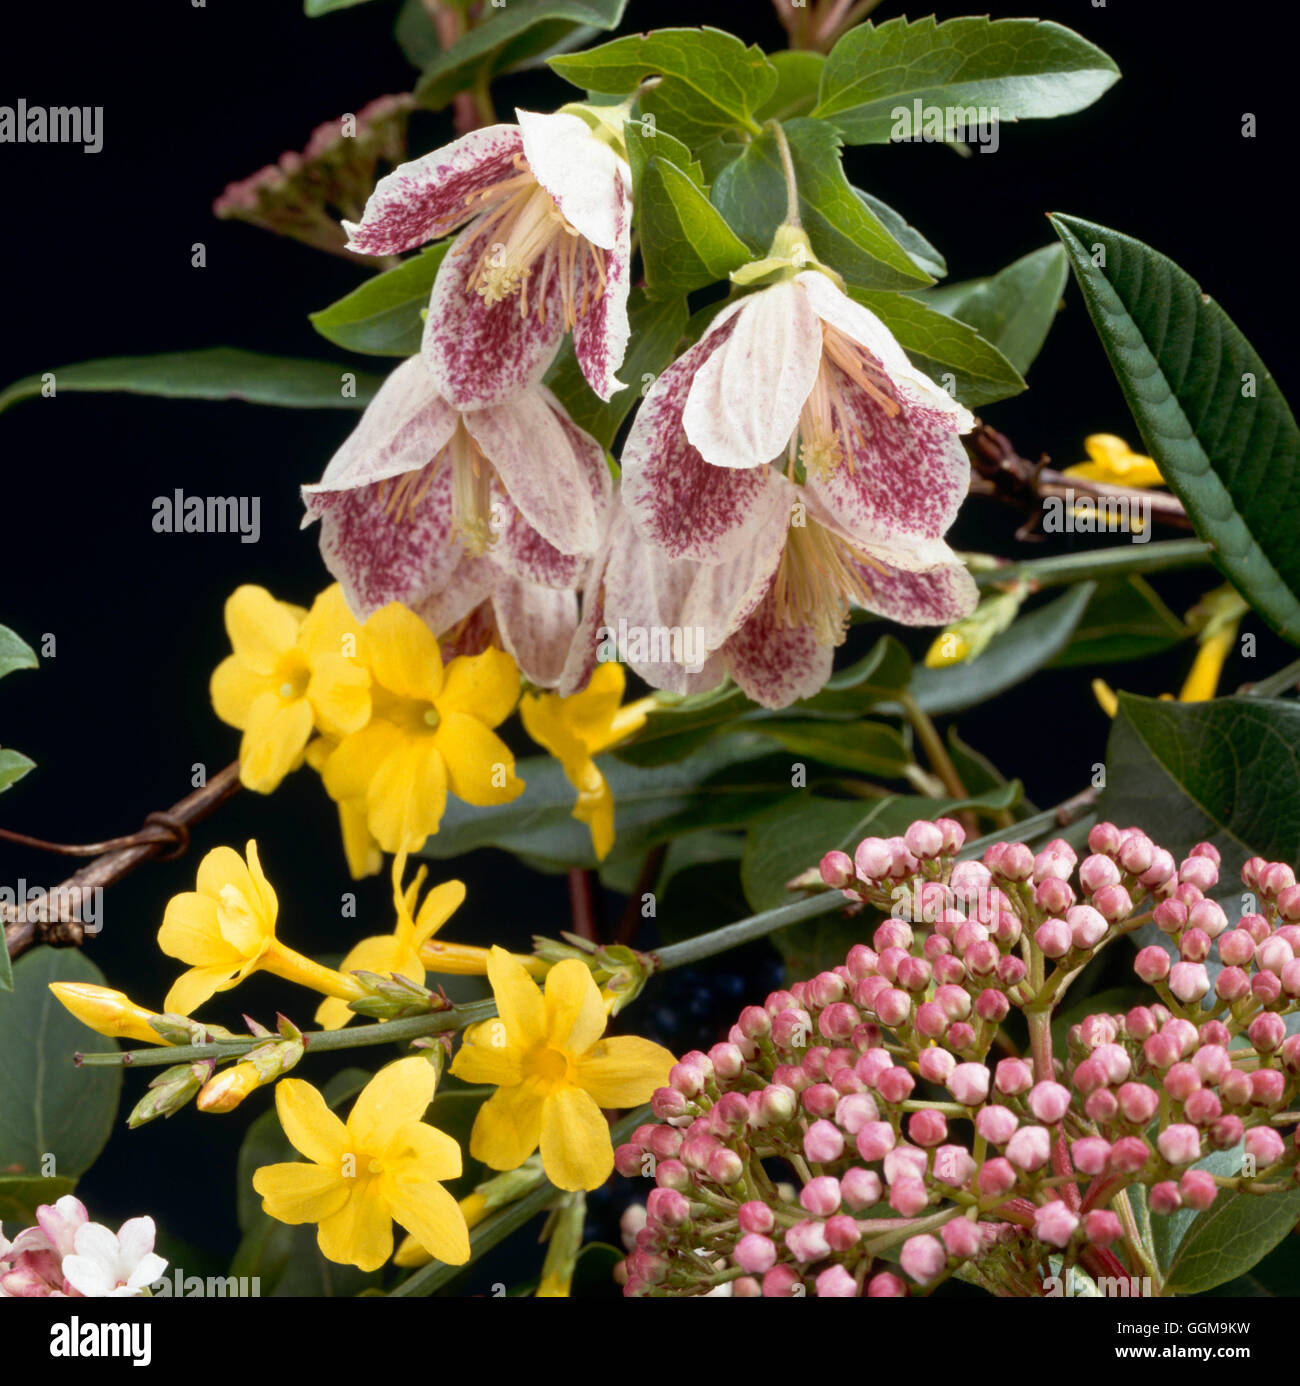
1105 696
553 1072
1115 463
227 1089
578 728
431 731
360 849
384 1166
399 952
108 1012
289 671
226 929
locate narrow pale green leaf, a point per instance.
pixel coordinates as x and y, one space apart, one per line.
1125 620
869 748
710 81
382 316
49 1108
1014 308
1013 68
844 230
923 255
644 141
1209 411
15 652
313 9
211 373
950 352
685 242
657 325
13 766
509 37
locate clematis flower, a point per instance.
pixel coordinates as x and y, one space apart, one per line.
1112 461
547 250
398 953
105 1264
578 728
108 1012
431 732
501 506
553 1071
287 674
384 1165
226 929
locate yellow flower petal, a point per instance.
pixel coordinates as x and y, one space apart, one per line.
312 1129
575 1014
190 932
403 653
595 808
508 1127
191 989
339 694
221 867
1203 681
431 1155
577 1152
483 686
1105 697
234 689
361 1232
407 795
519 1002
478 1060
270 905
327 627
439 905
623 1071
297 1193
359 846
354 761
394 1097
480 767
261 629
433 1218
273 743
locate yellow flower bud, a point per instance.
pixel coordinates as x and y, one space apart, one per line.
228 1089
107 1012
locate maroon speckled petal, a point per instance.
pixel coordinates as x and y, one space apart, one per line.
600 334
425 198
537 626
459 591
774 663
934 598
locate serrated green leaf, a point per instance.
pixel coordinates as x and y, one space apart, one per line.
211 373
798 76
952 353
1230 457
15 652
644 141
845 232
509 37
923 255
685 242
1230 1237
1014 308
656 327
382 316
710 81
13 766
1125 620
48 1106
1016 68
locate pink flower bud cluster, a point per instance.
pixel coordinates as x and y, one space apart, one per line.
871 1082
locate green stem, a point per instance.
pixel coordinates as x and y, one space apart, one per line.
1081 567
936 752
787 167
693 950
1281 682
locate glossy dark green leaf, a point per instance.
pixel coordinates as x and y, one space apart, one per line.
950 352
1014 308
1210 413
15 652
844 230
508 37
22 1194
1016 68
685 242
1229 1238
710 81
13 766
1125 620
382 316
212 373
924 255
49 1108
867 748
657 325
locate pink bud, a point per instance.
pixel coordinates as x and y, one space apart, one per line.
1053 938
755 1216
1104 837
1101 1227
1136 853
1128 1155
924 840
1090 1154
992 1005
1152 964
1189 981
1288 903
821 1196
996 1177
1267 1032
1179 1144
1231 984
1226 1132
838 1020
1053 895
627 1160
837 870
1097 871
780 1281
1161 870
936 1065
823 1142
927 1128
1203 1108
1030 1147
1101 1107
1087 927
1049 1102
667 1103
1291 1055
1208 917
961 1238
1267 1087
1011 971
1170 916
969 1084
949 971
1265 1145
1013 1076
726 1167
1115 1060
1234 1089
895 1084
1266 988
908 1197
861 1188
1138 1102
1054 1223
1139 1023
1291 978
672 1174
886 1285
819 1099
893 1006
1275 877
836 1283
668 1208
1198 1189
996 1124
806 1241
1194 946
727 1060
875 1140
1113 903
961 1036
1181 1081
1274 954
853 1112
873 859
1165 1198
924 1258
953 1165
1200 872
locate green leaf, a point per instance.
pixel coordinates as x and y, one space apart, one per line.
685 242
946 349
22 1194
923 255
645 141
657 325
1014 308
13 766
15 652
798 76
211 373
508 38
416 34
710 81
313 9
48 1106
882 673
382 316
794 835
1125 620
1030 643
1230 457
844 230
1015 68
869 748
1228 1238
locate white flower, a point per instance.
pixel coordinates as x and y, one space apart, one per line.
106 1265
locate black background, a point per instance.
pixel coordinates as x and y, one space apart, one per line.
96 251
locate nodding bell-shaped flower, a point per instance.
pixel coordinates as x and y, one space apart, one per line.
546 250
